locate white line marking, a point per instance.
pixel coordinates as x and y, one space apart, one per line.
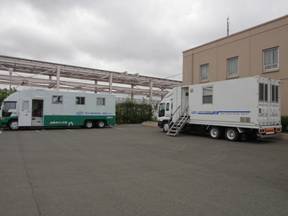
0 131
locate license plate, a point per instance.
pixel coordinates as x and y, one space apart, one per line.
269 130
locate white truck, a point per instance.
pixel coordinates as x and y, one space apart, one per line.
232 107
48 108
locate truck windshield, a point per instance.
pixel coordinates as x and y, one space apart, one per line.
7 105
161 110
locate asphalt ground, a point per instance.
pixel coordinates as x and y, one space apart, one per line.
135 170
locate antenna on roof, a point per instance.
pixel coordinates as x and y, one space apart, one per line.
228 27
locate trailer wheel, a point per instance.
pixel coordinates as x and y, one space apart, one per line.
215 132
232 134
13 125
89 124
101 124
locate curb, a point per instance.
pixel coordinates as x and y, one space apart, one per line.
284 136
150 124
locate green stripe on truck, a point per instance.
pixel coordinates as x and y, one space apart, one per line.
74 121
5 120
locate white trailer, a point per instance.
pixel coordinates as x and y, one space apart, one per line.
48 108
231 107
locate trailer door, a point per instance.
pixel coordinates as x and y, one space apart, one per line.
184 99
24 118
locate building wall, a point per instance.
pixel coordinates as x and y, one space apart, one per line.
248 45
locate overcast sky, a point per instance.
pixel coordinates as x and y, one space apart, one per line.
145 37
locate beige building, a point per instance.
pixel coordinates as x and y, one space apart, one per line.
261 50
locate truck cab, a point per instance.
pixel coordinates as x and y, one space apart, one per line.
172 105
8 112
165 112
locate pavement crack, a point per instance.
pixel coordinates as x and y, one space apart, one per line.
29 180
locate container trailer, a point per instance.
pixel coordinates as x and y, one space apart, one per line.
230 108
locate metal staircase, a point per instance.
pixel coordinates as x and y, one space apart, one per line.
176 126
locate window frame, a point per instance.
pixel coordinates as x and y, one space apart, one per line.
263 60
274 92
81 101
5 110
205 96
167 108
263 93
7 105
200 72
103 99
58 101
161 110
229 75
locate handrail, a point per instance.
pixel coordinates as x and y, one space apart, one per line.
176 110
179 113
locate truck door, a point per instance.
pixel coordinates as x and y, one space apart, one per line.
24 118
37 112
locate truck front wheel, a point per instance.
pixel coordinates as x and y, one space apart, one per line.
232 134
165 127
13 125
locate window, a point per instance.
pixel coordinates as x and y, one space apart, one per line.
57 99
8 105
232 67
207 95
161 112
204 72
274 94
25 105
101 101
271 59
37 108
167 106
80 100
263 92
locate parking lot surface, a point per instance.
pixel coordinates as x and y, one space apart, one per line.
135 170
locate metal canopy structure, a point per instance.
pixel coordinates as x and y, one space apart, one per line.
46 71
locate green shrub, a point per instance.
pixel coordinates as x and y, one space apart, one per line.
284 122
132 113
5 93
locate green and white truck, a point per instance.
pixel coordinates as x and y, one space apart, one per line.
50 108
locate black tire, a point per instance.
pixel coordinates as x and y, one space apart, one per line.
13 125
215 132
89 124
165 127
232 134
101 124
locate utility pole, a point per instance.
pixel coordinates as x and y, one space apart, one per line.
110 83
132 92
96 87
58 71
228 27
10 78
150 91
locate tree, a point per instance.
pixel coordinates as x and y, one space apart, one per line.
5 93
